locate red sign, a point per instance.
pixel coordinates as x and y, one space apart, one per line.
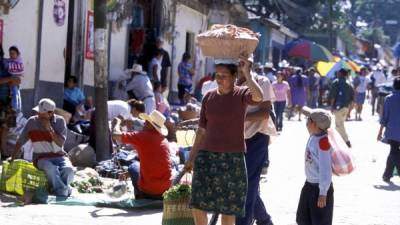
89 50
1 31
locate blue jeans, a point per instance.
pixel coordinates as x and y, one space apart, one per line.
134 172
279 109
59 172
257 148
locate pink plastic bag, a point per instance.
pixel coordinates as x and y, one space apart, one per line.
342 160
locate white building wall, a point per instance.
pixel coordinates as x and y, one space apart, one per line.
20 28
54 40
278 37
118 53
187 20
118 57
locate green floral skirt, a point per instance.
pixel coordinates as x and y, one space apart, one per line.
219 183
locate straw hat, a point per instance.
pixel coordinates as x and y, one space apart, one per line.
157 120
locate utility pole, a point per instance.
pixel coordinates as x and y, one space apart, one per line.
330 25
100 80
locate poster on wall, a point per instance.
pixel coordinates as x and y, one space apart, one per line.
59 12
89 50
1 31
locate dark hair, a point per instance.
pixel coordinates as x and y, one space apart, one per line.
136 104
156 85
396 83
185 57
73 79
343 72
233 69
14 48
1 51
158 52
394 71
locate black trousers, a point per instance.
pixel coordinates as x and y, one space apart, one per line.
393 159
308 212
181 91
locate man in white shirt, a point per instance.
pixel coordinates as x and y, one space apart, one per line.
155 67
378 78
141 87
269 71
360 83
258 126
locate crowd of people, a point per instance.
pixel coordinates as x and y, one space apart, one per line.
236 110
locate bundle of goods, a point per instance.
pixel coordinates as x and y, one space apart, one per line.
228 42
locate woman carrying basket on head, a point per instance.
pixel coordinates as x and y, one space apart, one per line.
219 182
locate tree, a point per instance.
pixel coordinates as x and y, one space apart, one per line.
298 15
376 13
100 80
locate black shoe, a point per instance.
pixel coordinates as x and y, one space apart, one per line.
348 144
386 179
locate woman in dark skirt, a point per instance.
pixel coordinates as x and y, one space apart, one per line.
219 182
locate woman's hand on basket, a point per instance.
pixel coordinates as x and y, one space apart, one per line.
188 166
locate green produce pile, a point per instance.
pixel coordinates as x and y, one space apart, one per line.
92 185
178 192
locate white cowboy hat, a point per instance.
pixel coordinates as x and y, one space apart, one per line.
157 120
269 65
284 64
136 68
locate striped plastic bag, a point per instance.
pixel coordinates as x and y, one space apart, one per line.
342 159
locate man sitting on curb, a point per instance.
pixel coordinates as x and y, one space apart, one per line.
152 176
48 132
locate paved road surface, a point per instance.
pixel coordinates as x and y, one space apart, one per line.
360 199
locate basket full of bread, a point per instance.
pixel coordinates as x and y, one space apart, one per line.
227 41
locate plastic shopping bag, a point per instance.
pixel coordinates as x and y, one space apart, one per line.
342 160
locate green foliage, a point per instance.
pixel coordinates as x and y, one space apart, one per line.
375 13
92 185
298 15
376 35
177 192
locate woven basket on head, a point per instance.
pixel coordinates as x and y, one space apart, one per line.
226 48
177 212
227 42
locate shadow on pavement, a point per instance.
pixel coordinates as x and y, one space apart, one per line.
137 212
390 187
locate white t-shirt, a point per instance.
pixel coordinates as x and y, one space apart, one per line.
118 108
363 84
271 77
208 86
266 126
380 78
141 86
154 62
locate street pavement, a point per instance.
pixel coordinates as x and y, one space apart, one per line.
361 198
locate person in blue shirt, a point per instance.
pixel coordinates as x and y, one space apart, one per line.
390 124
73 96
185 72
